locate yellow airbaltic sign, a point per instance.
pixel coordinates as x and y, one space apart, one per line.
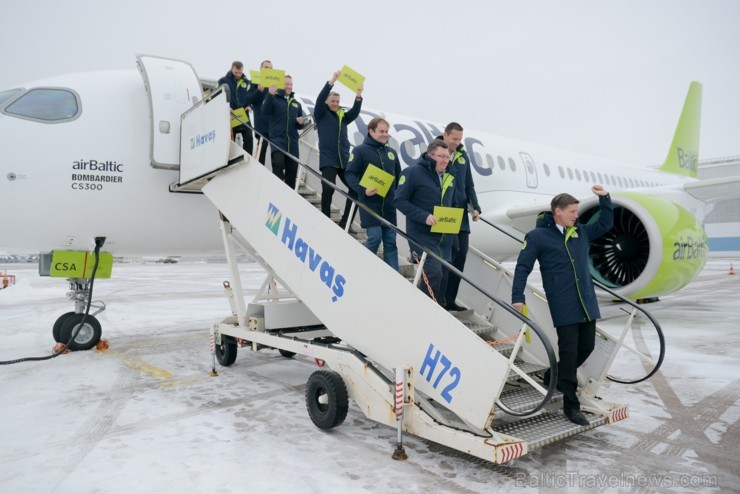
377 178
268 77
449 220
350 78
75 264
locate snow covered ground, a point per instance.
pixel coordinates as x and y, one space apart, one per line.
146 416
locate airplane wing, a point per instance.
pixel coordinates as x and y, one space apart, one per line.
714 189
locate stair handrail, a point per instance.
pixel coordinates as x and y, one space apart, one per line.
623 299
552 359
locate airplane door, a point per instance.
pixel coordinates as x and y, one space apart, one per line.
173 88
530 170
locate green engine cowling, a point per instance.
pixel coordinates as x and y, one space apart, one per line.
655 247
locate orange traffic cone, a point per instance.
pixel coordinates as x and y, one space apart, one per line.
732 269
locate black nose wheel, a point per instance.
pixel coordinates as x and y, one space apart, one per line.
88 334
326 399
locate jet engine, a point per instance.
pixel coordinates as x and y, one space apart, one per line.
655 246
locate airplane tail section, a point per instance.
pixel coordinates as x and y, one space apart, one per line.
683 155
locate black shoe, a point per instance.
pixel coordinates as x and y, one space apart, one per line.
454 307
577 417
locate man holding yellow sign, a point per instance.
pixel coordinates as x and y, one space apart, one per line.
242 93
425 196
285 114
331 125
376 152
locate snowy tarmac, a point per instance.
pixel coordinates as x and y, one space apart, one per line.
146 416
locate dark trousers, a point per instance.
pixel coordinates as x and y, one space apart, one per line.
263 148
330 173
246 134
459 254
575 344
284 167
433 271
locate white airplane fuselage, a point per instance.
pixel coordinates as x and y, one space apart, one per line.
62 184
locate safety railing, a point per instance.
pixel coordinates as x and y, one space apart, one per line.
526 322
635 307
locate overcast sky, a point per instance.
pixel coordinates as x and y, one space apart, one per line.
604 78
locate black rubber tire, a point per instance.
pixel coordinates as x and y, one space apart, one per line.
286 353
327 401
57 329
226 351
87 337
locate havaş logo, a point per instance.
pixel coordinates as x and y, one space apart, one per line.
303 251
202 139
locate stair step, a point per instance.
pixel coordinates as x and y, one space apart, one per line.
546 428
527 368
525 398
504 348
476 324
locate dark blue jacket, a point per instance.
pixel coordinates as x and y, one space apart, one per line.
464 186
261 121
419 190
282 112
564 265
332 129
382 156
242 92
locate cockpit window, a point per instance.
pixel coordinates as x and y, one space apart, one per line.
45 104
6 95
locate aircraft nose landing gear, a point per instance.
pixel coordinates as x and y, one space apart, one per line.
88 335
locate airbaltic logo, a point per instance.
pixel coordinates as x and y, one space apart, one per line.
687 161
689 249
304 251
201 139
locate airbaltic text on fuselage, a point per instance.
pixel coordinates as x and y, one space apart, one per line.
98 166
689 249
110 172
305 252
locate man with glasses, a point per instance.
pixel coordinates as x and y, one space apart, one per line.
423 186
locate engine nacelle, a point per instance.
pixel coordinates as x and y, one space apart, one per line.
654 248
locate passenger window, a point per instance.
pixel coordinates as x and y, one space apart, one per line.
578 174
490 161
6 95
621 184
561 171
501 163
601 179
512 165
546 168
593 177
49 105
570 173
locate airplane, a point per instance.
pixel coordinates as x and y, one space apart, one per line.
90 156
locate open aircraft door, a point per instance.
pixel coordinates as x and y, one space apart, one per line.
173 88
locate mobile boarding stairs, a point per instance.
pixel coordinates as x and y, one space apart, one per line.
464 380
